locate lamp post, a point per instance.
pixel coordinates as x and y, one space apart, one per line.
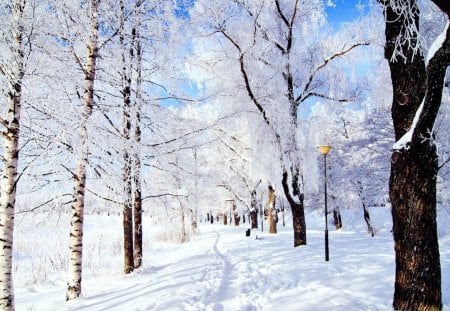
324 149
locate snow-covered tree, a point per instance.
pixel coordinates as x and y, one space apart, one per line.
417 74
14 41
280 63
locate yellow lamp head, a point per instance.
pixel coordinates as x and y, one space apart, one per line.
324 149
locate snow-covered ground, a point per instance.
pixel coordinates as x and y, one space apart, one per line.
219 269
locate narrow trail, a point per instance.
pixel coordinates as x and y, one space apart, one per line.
227 270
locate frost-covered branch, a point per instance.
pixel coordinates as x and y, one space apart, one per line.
306 90
45 203
234 193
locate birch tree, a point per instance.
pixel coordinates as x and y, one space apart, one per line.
12 70
77 207
417 81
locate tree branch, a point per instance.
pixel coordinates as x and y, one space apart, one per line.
321 66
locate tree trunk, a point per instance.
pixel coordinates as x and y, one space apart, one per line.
370 228
298 213
271 211
137 198
77 208
414 166
337 218
254 211
10 159
126 128
183 236
128 238
413 198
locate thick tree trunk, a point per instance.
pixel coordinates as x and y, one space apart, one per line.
413 198
77 208
298 213
10 159
414 165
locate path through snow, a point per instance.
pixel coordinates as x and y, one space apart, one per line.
222 269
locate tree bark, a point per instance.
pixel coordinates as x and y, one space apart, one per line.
77 208
11 158
137 197
126 128
413 198
271 211
370 228
337 218
414 167
254 211
298 213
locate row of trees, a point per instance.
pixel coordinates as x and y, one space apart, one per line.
99 99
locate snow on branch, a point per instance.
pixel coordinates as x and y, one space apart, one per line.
409 37
306 90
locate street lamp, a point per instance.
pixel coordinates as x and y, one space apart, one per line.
324 149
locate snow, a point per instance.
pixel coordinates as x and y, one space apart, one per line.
437 44
222 269
403 142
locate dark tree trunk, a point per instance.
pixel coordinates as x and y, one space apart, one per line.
414 167
137 211
298 214
254 219
237 219
137 197
337 218
370 228
128 240
413 198
254 211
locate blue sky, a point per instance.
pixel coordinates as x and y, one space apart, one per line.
344 11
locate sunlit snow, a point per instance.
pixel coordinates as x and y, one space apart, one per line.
222 269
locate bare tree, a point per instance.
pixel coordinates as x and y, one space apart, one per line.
417 94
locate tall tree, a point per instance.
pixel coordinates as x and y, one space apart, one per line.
127 51
12 71
137 179
273 36
417 94
77 207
